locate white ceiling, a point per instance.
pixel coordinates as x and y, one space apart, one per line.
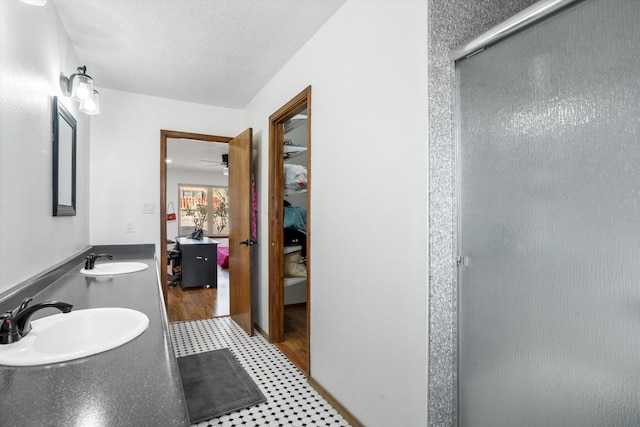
214 52
200 156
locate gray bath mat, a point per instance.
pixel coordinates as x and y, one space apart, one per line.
215 384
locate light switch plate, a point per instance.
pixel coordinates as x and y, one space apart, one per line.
149 208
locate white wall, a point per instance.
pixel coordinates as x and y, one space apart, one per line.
176 177
34 50
368 71
125 159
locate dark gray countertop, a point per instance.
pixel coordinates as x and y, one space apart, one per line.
136 384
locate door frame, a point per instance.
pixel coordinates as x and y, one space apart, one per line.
276 196
164 135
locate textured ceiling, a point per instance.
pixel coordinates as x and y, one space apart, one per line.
215 52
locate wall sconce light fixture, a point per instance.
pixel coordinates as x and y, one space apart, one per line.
80 88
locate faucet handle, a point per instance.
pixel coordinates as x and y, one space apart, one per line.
9 332
25 303
8 329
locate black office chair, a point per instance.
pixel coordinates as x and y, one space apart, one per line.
173 259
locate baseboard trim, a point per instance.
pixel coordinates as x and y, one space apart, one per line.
334 402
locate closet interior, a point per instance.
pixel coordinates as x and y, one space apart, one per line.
295 207
295 210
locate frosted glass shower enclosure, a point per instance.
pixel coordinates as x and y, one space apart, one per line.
549 222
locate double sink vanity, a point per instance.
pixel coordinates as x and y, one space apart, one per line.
109 361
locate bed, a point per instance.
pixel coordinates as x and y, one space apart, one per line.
223 256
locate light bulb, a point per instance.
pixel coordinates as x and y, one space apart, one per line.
91 105
81 87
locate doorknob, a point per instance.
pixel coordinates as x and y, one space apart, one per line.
248 242
245 242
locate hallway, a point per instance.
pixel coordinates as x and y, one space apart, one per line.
291 401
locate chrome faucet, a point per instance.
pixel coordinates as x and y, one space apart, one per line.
90 260
15 324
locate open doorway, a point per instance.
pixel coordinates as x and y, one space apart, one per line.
289 237
203 256
192 175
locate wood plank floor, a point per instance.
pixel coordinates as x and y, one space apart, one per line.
294 345
199 303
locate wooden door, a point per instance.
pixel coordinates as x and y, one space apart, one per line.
240 239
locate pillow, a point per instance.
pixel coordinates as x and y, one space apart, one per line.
294 265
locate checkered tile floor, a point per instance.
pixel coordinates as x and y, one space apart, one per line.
291 401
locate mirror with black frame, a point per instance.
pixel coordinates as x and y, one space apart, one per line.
64 160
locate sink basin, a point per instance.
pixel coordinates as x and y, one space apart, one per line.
68 336
114 268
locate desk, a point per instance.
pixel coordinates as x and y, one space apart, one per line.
198 262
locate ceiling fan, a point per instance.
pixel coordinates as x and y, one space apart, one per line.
213 162
224 162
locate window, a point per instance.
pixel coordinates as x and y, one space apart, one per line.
207 203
